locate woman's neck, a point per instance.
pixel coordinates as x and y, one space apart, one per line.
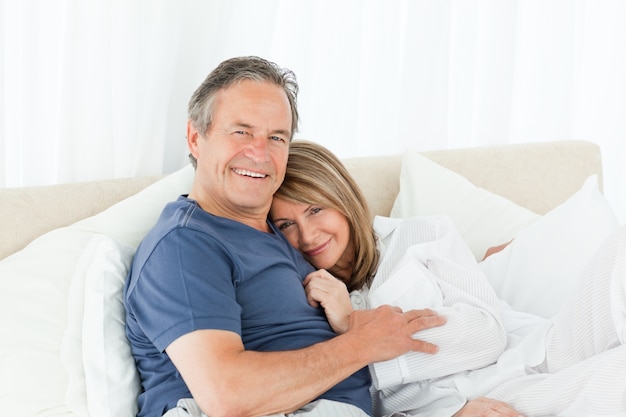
344 268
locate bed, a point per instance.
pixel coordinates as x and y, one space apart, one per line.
66 248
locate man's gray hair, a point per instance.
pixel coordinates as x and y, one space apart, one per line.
234 70
202 103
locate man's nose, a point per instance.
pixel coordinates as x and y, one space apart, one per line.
257 148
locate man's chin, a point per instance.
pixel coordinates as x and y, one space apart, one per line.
251 204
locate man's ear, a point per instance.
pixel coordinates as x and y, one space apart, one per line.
192 139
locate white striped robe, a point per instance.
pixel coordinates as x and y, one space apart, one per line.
547 368
426 264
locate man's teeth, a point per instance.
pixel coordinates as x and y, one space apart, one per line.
249 173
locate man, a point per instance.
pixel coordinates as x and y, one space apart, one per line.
215 305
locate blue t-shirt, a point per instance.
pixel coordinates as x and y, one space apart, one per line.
196 271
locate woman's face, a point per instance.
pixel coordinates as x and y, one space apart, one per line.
321 234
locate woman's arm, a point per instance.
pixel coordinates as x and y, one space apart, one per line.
425 260
486 407
495 249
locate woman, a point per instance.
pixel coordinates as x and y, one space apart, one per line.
424 263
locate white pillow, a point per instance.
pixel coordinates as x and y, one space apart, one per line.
111 378
34 286
484 219
45 364
538 271
96 332
129 220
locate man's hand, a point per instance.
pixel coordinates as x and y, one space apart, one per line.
486 407
324 289
386 332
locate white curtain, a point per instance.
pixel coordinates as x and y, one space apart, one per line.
98 89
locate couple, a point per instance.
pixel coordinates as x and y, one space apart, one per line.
218 306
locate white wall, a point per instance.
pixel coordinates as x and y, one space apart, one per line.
99 89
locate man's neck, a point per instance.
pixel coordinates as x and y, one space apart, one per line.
257 219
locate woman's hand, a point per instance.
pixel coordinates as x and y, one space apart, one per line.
324 289
495 249
486 407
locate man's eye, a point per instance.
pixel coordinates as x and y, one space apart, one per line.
277 139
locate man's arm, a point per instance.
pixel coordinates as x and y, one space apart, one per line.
225 379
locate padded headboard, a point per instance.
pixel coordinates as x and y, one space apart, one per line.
538 176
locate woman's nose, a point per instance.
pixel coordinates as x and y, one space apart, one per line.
307 233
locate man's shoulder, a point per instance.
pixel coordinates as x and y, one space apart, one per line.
183 220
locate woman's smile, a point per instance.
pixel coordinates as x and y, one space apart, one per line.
317 250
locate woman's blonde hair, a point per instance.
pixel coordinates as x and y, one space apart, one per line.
316 176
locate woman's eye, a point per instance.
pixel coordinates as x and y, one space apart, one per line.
285 225
315 210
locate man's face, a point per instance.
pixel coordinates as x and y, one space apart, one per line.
242 158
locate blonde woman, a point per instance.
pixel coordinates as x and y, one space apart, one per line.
423 262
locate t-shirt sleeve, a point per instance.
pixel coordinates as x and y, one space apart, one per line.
187 283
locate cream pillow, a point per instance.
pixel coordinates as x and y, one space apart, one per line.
483 219
538 271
